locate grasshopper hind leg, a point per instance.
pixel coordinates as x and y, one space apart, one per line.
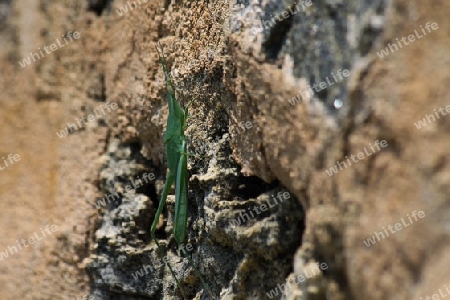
162 203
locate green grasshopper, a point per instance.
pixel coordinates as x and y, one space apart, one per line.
177 163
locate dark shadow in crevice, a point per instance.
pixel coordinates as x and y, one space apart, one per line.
252 186
5 12
272 46
98 6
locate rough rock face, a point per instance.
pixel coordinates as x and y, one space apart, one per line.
320 128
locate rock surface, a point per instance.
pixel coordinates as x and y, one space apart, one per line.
285 92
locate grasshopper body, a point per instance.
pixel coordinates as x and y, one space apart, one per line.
177 164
